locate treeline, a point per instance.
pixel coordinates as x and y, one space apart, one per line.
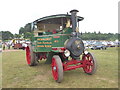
24 32
99 36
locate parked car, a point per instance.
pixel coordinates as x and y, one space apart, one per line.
99 46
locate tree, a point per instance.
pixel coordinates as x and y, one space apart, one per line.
28 35
27 27
99 32
17 35
26 31
7 35
21 30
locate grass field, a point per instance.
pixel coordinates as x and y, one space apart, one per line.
17 74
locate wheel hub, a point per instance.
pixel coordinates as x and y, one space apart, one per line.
54 68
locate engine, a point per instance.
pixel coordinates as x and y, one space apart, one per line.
74 44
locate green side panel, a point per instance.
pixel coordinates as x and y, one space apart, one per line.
43 44
59 39
56 41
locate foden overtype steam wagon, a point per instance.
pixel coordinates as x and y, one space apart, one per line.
56 38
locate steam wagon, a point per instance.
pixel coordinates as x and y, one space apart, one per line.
56 38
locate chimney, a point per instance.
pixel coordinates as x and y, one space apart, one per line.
74 19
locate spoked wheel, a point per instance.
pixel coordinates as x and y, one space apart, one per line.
30 56
89 63
57 68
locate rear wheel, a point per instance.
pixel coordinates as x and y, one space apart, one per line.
31 56
57 68
89 63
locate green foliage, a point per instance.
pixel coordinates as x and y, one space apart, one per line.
28 35
26 31
27 27
7 35
17 35
21 30
99 36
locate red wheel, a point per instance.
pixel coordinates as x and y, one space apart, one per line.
30 56
89 63
57 68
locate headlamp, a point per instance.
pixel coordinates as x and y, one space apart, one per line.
67 53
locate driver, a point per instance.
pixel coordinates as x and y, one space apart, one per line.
68 23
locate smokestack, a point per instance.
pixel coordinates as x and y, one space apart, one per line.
74 19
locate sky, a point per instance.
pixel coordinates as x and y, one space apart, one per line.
99 15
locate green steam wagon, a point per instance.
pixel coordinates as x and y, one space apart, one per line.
57 39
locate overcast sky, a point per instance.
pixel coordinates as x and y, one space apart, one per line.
100 15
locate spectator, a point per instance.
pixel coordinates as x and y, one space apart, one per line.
3 46
8 46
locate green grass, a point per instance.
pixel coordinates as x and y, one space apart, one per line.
17 74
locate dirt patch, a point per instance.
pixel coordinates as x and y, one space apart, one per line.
11 50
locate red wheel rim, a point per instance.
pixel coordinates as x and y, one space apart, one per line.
88 63
54 69
28 57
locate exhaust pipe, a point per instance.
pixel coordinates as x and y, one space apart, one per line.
74 19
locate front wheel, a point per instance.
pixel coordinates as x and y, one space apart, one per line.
57 68
90 64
